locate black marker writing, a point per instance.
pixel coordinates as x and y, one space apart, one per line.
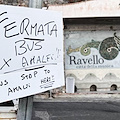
47 71
28 28
4 18
47 82
2 13
36 60
5 63
8 28
3 83
54 28
29 76
24 26
18 88
34 39
22 46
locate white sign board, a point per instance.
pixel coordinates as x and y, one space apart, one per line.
31 51
92 49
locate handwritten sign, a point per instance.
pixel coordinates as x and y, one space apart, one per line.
31 51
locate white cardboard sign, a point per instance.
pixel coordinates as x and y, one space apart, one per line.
31 51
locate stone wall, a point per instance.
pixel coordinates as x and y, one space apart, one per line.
15 2
46 2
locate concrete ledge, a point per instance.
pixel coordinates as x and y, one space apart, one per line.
82 97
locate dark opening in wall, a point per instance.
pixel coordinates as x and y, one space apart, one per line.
75 89
8 103
93 88
113 87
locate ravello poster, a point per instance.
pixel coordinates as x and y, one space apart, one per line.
92 49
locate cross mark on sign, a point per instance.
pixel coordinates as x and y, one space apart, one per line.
5 63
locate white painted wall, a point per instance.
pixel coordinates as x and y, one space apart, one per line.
92 8
103 78
7 113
